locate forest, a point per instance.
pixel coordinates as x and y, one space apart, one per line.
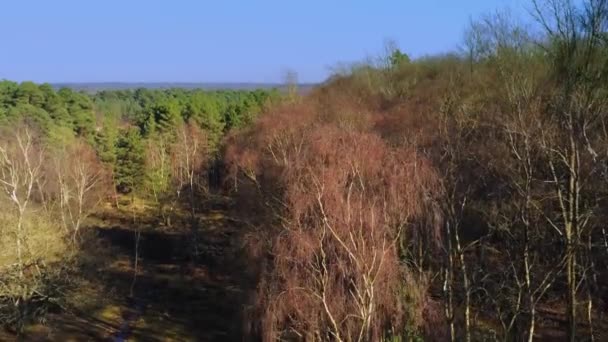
452 197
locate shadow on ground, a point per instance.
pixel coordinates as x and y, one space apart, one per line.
186 289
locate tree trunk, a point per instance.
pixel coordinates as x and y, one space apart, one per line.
465 285
448 284
19 243
532 324
590 315
571 308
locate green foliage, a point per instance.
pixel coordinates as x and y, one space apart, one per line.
31 114
60 136
80 108
158 168
166 115
205 110
106 140
8 90
398 59
65 114
29 93
129 168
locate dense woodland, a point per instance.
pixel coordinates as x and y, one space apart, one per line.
63 154
457 197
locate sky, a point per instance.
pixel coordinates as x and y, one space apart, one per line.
221 40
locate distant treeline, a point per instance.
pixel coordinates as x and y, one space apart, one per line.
116 122
93 87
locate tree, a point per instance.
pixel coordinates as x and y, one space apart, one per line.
203 109
394 58
54 105
21 158
290 79
166 115
398 58
577 54
80 109
336 202
190 155
158 171
81 182
129 168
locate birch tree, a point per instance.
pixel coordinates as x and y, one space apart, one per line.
21 158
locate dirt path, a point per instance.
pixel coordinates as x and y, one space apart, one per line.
176 296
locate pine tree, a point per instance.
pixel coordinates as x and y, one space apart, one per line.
130 159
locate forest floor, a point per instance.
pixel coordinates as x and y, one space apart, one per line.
174 297
185 289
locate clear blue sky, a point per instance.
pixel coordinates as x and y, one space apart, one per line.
217 41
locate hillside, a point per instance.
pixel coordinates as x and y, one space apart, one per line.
457 196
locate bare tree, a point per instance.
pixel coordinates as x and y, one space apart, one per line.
341 200
82 182
576 49
290 78
190 154
21 158
158 173
456 128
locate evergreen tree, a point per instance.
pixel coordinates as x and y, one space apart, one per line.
129 167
